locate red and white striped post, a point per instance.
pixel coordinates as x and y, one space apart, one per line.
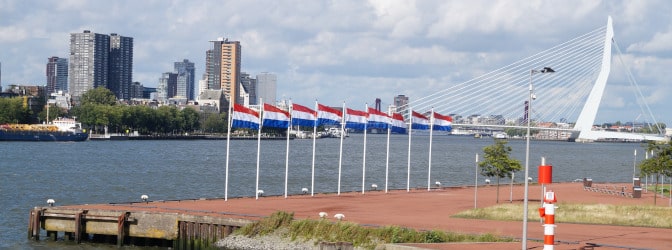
548 213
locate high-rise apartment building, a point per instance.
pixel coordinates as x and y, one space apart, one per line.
121 66
89 59
401 102
185 79
267 87
57 74
99 60
223 68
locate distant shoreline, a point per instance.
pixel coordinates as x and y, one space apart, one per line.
180 137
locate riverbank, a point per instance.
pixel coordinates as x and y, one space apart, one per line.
425 210
179 137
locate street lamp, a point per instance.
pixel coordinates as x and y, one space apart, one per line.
531 97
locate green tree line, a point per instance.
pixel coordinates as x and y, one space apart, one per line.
99 109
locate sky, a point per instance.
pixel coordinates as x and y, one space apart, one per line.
351 51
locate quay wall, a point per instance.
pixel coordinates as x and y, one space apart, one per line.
182 231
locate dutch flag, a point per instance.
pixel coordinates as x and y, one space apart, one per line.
442 122
419 121
275 117
328 116
244 117
303 116
355 119
398 125
378 119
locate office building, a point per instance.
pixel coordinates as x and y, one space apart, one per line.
185 79
223 68
136 90
120 66
57 74
167 87
267 87
249 91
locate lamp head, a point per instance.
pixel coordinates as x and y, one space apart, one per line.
547 70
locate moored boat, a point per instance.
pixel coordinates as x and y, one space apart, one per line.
61 129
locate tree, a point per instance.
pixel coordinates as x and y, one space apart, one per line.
215 123
660 162
12 110
100 95
190 119
497 162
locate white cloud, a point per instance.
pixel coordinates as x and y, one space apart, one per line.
13 34
661 42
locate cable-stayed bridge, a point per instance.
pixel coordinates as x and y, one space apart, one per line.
565 101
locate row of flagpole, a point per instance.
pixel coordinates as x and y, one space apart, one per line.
298 115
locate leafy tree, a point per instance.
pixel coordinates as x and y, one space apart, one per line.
13 111
190 119
215 123
653 129
497 162
99 95
660 163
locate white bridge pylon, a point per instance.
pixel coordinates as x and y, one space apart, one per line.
582 67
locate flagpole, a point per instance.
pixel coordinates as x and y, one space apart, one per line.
364 154
410 130
256 192
387 155
429 169
340 152
289 126
228 140
312 177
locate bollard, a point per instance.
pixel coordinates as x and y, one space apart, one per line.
547 212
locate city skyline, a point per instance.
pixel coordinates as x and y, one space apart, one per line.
353 51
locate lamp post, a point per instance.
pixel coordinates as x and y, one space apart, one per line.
634 167
531 97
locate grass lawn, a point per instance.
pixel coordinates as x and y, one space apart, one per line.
620 215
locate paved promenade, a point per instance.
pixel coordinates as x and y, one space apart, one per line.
422 209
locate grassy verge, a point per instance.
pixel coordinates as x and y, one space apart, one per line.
619 215
665 188
360 236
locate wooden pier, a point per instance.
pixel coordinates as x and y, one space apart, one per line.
140 228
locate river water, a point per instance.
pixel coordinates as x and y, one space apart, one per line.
121 171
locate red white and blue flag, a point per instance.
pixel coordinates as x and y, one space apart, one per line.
275 117
303 116
419 121
378 119
398 125
328 116
355 119
244 117
442 122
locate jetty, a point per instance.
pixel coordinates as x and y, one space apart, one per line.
198 223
